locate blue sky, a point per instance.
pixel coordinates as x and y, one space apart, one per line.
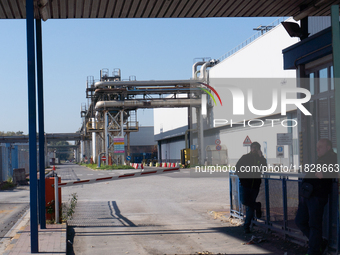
150 49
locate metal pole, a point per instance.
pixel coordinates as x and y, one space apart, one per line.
266 189
128 146
42 201
122 132
56 198
94 142
336 66
32 118
47 163
285 211
230 193
82 150
200 136
106 119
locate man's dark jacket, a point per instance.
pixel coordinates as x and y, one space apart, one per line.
323 187
250 179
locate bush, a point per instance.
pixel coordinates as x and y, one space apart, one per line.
7 184
68 209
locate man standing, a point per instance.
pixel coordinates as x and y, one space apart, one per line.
316 186
249 168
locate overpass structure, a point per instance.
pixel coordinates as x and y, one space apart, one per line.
113 104
48 138
13 141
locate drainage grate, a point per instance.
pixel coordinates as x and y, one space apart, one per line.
98 214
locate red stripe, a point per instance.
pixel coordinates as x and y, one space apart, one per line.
81 181
126 175
153 172
62 184
104 178
167 170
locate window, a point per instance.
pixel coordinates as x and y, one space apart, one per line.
311 83
323 118
322 107
332 78
323 81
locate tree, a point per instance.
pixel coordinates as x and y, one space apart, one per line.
11 133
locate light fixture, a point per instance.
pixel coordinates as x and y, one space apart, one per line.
294 30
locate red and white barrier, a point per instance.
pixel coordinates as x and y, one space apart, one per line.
169 165
137 166
124 176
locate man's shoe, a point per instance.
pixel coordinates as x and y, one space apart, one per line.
258 210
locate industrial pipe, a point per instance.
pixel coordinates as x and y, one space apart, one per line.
156 103
104 84
194 68
203 71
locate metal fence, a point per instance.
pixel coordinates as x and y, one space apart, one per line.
279 196
263 30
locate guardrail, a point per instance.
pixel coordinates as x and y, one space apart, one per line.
253 37
279 196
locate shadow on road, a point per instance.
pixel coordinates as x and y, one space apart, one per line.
103 219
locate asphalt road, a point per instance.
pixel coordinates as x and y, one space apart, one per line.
13 204
161 214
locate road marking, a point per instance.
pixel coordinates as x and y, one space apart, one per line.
89 174
5 211
79 174
100 174
67 175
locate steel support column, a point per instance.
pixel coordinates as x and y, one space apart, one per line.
128 146
284 201
122 133
266 190
107 138
32 130
336 66
200 137
82 150
40 85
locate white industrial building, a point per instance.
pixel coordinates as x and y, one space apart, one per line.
260 58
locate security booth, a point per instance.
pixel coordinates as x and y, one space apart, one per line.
313 60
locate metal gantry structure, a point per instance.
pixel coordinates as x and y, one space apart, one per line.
111 111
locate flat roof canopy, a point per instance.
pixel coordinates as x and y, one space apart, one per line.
67 9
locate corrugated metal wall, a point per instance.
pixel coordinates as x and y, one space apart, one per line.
13 156
316 24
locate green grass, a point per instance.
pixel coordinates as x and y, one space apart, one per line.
113 167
